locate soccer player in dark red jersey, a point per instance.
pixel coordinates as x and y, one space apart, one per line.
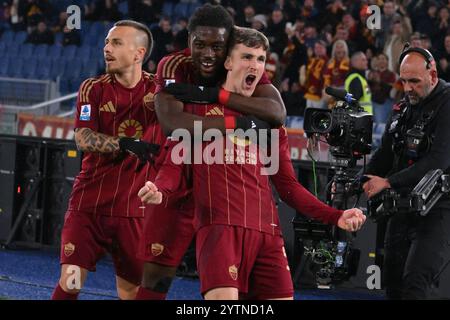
169 230
114 111
240 250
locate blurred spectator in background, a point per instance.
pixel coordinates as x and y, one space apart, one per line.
356 82
180 31
444 60
395 43
441 28
245 18
146 11
311 76
60 23
387 19
163 39
276 32
334 13
343 34
259 22
425 18
310 35
42 35
34 11
105 10
336 69
381 81
295 54
71 37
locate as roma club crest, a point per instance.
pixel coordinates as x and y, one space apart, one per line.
157 249
69 249
233 272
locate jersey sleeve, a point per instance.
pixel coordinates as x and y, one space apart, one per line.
87 105
170 69
294 194
170 175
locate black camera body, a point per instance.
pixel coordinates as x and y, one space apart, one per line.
347 129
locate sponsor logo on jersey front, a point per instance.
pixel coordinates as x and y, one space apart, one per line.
130 128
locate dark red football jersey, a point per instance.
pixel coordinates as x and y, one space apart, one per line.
235 192
105 185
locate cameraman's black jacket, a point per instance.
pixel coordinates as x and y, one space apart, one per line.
402 171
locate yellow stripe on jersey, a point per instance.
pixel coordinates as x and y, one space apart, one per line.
167 68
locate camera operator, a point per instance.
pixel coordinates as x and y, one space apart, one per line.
415 141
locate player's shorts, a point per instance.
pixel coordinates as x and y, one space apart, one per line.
252 261
168 232
86 238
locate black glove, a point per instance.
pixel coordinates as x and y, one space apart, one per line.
251 122
192 93
139 148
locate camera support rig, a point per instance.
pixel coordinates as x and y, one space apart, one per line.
424 196
348 131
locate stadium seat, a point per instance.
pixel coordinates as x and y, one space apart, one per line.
167 8
12 49
4 67
2 48
59 38
192 7
123 8
72 68
69 52
55 51
84 52
64 86
26 50
90 68
8 36
180 10
43 69
29 68
15 71
41 51
20 37
57 68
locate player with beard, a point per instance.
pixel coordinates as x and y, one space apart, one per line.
104 214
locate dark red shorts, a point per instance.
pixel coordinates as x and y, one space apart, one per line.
252 261
167 235
86 238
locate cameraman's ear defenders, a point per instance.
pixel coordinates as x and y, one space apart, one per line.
423 52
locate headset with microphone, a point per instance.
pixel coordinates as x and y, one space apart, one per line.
423 52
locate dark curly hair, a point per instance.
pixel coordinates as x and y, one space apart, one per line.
210 15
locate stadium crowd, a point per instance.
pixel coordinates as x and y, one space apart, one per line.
312 41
